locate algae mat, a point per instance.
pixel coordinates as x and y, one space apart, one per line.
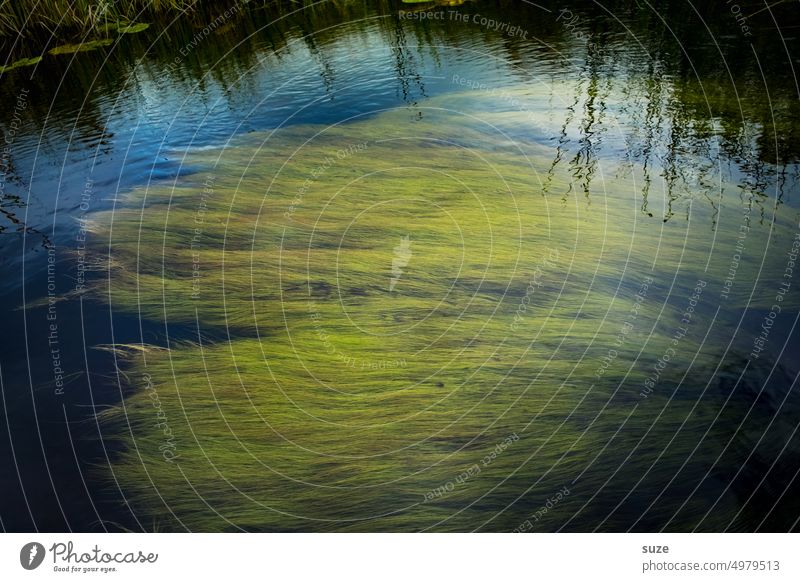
416 322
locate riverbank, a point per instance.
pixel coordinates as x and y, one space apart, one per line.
28 28
32 25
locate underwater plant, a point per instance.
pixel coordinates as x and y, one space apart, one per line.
533 342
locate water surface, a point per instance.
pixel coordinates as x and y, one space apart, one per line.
365 271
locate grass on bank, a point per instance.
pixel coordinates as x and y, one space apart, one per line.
26 18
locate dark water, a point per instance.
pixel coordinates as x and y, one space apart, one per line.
683 93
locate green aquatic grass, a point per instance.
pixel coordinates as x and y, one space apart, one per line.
348 395
80 47
20 63
133 28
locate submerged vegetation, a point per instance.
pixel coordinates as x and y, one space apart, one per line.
434 286
522 344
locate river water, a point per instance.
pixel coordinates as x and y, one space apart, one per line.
455 261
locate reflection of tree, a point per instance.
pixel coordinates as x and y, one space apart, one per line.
327 72
644 149
583 165
562 143
688 109
411 87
